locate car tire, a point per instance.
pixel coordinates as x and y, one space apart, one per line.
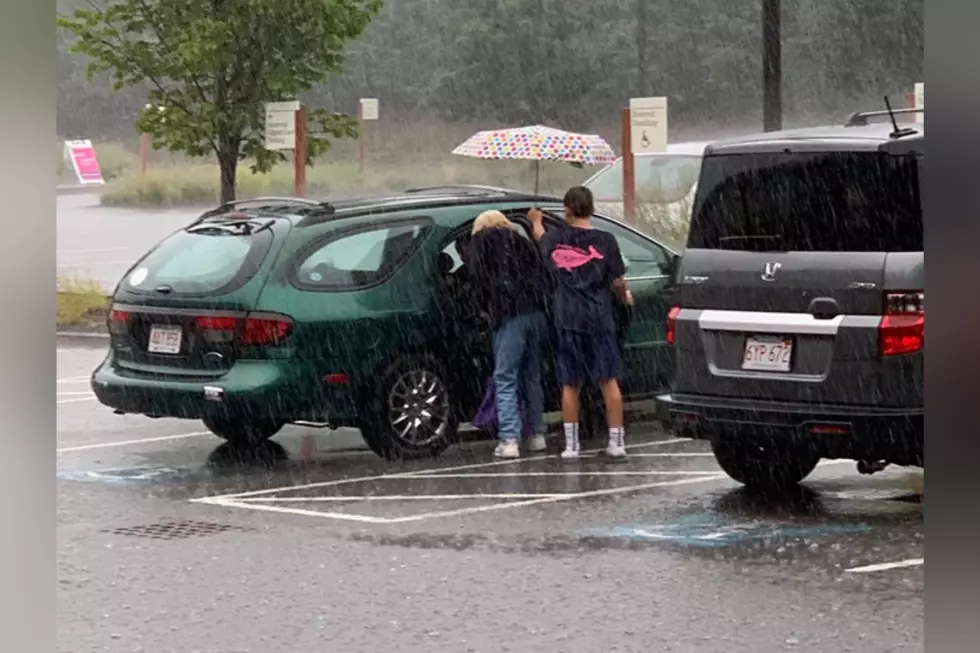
410 411
241 430
765 467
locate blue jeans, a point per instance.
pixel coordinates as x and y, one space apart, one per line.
517 345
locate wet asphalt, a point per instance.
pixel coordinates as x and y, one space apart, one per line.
100 244
170 541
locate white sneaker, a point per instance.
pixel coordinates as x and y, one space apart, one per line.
508 449
571 451
615 451
537 443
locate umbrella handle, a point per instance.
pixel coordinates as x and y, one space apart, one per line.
537 174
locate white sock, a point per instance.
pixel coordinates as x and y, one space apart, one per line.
617 437
571 436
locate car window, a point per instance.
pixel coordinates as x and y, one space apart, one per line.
815 202
452 249
642 257
204 262
659 179
361 258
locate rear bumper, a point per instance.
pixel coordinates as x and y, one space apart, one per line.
836 431
260 389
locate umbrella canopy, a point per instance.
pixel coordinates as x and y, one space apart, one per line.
537 143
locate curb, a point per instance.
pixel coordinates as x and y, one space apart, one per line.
72 189
82 334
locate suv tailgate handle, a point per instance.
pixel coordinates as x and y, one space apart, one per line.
824 308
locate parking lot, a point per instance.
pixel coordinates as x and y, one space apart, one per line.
669 491
147 507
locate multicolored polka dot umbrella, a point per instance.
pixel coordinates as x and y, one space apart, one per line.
537 143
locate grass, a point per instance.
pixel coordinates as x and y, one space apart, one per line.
197 184
81 303
398 155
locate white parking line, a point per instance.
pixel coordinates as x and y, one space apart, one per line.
76 400
230 503
297 511
885 566
571 472
87 393
454 468
397 497
89 264
673 455
124 443
74 379
93 251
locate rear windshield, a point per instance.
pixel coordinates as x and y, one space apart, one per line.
659 179
205 263
818 202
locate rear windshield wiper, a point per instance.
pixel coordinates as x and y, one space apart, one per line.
230 227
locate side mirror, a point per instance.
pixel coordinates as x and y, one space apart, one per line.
672 267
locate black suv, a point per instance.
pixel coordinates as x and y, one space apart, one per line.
798 332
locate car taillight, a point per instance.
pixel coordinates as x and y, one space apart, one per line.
217 328
118 321
255 330
672 324
267 330
902 328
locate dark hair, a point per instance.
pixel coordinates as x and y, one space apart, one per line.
579 202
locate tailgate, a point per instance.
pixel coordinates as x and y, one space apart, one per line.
782 285
181 311
806 331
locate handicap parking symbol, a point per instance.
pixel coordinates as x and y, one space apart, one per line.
122 475
708 530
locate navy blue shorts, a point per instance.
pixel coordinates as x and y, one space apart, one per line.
587 357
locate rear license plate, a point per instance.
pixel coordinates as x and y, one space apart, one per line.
165 339
772 354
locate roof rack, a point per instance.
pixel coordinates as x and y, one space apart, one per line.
860 118
272 203
466 189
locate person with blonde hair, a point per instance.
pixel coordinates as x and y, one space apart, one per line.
490 220
511 280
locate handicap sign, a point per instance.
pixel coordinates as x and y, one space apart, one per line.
124 475
708 530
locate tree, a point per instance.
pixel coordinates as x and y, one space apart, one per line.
210 65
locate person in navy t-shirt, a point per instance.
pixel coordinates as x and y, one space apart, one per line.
589 269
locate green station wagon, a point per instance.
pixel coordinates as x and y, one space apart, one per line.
271 311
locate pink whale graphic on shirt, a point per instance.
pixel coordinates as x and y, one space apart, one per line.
567 257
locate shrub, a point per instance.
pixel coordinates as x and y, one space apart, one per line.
197 185
80 302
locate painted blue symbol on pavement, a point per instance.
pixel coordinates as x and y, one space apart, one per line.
126 475
709 530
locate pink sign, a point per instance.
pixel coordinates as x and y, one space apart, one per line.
84 162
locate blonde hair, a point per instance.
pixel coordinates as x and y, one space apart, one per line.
492 220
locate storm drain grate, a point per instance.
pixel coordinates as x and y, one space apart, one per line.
176 530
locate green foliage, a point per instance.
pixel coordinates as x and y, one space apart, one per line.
210 65
576 63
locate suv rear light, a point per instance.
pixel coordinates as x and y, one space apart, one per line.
672 324
902 328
